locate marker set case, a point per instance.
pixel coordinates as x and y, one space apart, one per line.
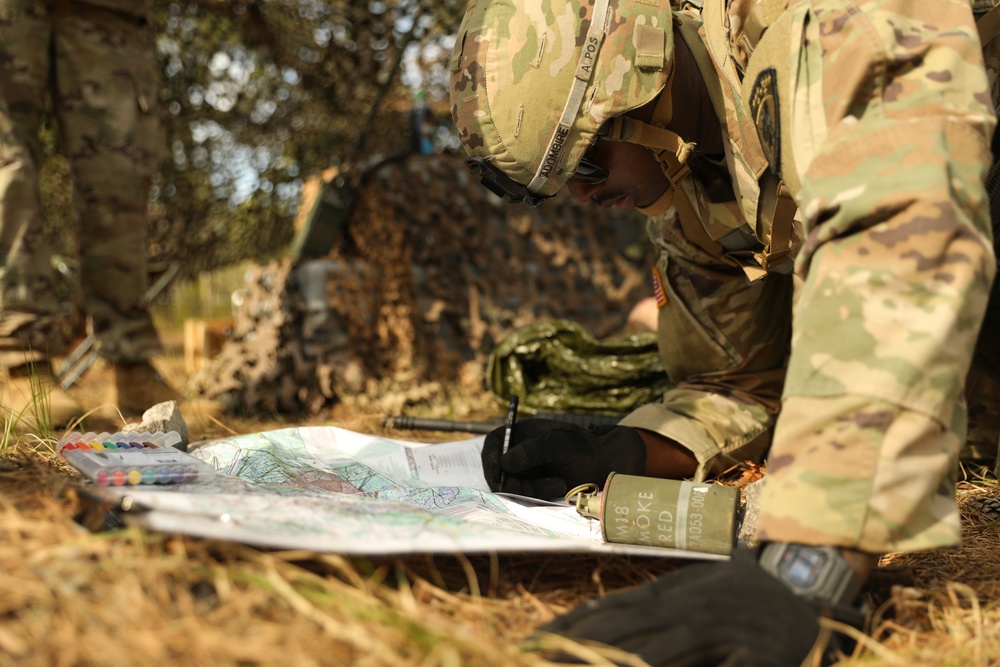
124 459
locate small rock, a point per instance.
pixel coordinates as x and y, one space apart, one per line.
162 418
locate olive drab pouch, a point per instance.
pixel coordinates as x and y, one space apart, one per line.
558 366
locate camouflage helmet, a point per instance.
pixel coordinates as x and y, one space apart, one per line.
532 82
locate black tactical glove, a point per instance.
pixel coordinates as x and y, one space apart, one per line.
704 615
547 458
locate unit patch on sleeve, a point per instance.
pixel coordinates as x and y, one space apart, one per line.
765 111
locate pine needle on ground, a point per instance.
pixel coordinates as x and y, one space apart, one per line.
69 596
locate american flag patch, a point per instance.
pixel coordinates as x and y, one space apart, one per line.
661 296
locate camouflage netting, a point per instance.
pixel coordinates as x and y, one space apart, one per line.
433 274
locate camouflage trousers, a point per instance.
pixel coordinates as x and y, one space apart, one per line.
91 70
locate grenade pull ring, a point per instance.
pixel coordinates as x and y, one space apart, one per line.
588 502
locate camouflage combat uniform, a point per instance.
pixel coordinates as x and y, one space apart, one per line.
877 115
874 117
94 62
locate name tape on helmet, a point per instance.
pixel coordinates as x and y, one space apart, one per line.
555 152
585 68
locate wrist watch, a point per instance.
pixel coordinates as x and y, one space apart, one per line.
817 573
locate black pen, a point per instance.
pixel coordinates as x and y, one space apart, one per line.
508 429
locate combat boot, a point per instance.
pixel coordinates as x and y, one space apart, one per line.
33 401
138 386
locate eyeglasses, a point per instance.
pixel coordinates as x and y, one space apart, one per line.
589 172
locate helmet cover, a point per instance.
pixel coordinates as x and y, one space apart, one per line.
533 81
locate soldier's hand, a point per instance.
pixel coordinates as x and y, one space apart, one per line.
546 457
704 615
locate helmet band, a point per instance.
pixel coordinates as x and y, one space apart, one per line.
558 144
501 184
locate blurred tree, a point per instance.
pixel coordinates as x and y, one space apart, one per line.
258 95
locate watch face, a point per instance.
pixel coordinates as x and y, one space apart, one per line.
801 565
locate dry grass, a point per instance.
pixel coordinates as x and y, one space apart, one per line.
950 614
69 596
128 597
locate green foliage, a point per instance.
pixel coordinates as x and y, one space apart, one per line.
35 414
258 96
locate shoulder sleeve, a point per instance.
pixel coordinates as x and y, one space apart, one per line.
891 114
723 341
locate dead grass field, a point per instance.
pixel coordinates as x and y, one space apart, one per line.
126 597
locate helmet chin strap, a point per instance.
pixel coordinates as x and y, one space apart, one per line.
669 149
660 206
